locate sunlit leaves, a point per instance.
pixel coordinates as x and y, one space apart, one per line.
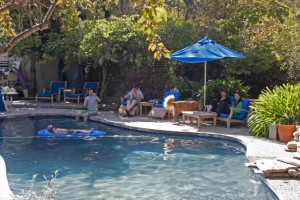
103 37
151 16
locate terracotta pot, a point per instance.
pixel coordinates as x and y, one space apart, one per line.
286 132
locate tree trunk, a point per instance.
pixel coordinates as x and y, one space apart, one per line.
104 82
26 33
32 76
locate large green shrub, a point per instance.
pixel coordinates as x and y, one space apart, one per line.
189 90
230 84
280 105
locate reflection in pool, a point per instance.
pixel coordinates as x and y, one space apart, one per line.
125 164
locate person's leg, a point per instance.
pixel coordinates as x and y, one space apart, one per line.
128 107
83 131
85 118
214 105
223 108
133 103
128 104
78 115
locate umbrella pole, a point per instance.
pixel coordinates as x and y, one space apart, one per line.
204 98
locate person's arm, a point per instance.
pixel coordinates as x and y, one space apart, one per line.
85 103
237 111
128 95
97 98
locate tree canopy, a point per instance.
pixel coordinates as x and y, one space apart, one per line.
121 31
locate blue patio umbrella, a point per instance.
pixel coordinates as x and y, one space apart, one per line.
203 51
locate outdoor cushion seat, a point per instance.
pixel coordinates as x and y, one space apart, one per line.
82 94
240 118
158 109
166 94
56 89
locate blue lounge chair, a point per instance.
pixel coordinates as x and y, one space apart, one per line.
82 94
240 118
56 89
158 109
176 95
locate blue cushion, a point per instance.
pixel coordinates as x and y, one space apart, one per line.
243 114
166 94
89 85
160 105
74 95
232 99
124 102
176 95
224 115
55 86
45 94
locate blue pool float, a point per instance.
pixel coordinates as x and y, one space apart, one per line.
94 133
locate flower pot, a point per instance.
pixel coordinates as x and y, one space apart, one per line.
285 132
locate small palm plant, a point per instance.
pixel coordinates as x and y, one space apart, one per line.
280 105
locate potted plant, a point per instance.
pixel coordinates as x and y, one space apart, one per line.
279 105
286 128
23 80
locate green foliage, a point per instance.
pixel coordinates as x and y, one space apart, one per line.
188 89
108 38
280 105
178 34
230 84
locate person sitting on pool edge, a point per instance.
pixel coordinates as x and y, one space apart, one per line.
52 129
90 105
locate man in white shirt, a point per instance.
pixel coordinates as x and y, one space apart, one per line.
134 97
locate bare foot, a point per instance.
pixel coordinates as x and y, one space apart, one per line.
91 130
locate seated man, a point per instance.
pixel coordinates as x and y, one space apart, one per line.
134 97
90 105
7 102
52 129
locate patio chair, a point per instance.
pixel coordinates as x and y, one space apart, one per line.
176 95
240 118
56 89
83 94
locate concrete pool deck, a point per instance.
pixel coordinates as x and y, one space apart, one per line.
257 148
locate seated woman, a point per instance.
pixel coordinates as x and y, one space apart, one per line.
52 129
221 105
237 104
134 97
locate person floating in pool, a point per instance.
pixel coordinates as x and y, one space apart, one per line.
52 129
90 105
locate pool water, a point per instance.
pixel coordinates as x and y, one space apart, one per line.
125 164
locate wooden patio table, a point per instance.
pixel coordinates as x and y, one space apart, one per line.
200 116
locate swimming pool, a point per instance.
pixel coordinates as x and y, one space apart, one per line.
125 164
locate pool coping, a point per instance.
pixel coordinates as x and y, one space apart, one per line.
256 148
